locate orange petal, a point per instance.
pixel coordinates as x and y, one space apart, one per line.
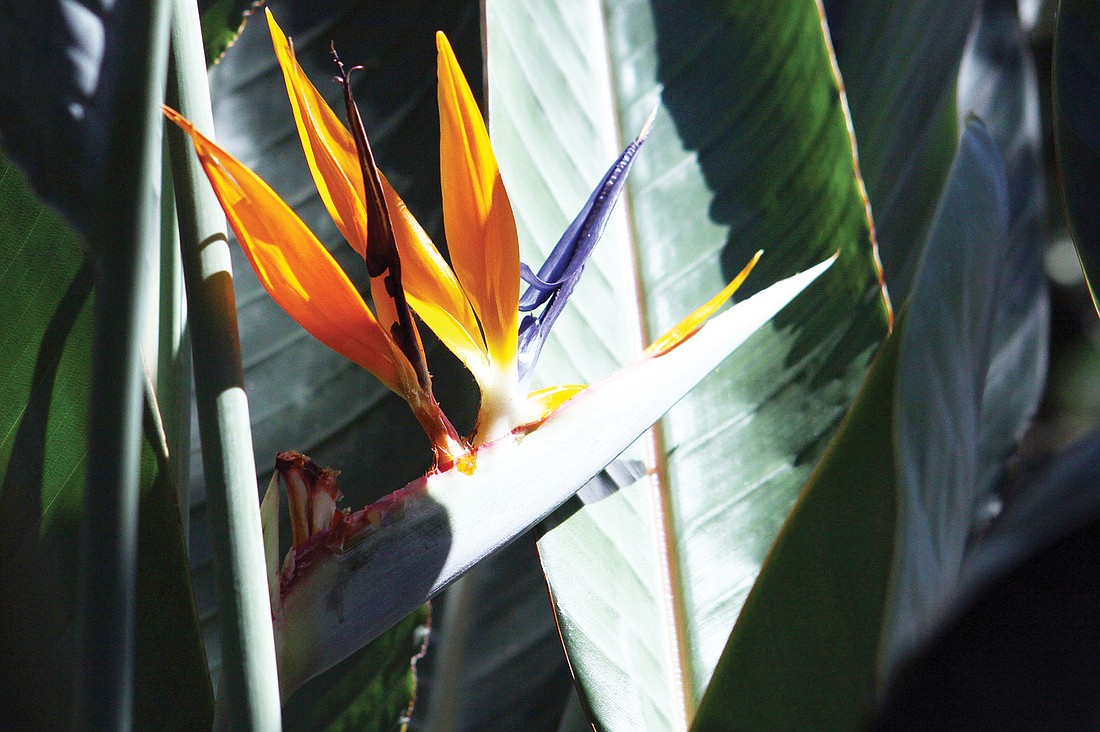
431 287
481 231
328 146
543 402
690 325
295 268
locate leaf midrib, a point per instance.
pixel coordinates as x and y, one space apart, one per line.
677 644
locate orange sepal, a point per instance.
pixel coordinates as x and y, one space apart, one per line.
481 230
431 287
293 266
328 146
430 284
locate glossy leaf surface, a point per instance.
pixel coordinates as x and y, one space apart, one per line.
899 61
825 602
805 649
749 150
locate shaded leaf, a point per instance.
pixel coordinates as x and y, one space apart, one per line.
736 161
899 61
997 82
824 615
945 358
371 690
62 65
46 301
1076 90
222 23
804 652
1020 648
499 663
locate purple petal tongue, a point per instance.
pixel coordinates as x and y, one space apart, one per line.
562 269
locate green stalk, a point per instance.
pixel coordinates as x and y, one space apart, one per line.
249 698
123 230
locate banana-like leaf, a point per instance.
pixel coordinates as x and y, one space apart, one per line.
371 690
891 505
498 662
749 150
432 531
46 305
997 82
899 61
945 358
1020 647
804 651
1077 127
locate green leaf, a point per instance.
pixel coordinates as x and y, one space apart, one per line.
1077 127
997 82
945 359
1017 651
222 23
371 690
804 651
895 492
750 150
46 302
899 61
499 662
432 531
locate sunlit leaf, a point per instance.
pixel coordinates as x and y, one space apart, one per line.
749 150
891 505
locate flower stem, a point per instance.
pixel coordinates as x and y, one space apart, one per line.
249 698
122 229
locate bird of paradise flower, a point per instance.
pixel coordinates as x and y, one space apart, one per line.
472 304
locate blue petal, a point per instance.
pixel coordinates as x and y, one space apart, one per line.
562 270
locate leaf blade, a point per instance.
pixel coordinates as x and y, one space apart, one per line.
46 302
701 202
